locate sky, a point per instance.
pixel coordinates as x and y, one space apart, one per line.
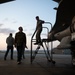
22 13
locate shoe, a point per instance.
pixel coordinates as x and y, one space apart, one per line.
19 62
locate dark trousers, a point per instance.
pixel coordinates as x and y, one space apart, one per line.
23 56
9 48
38 37
19 53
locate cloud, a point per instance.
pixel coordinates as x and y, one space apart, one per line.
1 24
6 19
14 22
6 30
10 20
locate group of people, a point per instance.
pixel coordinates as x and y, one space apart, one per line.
20 41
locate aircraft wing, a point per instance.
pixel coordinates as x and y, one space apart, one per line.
57 0
4 1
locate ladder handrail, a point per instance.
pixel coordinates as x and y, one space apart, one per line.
43 27
49 23
33 34
46 28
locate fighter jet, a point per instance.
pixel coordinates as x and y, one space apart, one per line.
62 29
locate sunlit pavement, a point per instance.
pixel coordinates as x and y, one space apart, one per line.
40 66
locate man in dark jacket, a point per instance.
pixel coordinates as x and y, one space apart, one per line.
20 43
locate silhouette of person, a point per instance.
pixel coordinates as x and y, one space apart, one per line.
38 30
20 43
10 43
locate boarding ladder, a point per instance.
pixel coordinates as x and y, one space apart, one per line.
45 46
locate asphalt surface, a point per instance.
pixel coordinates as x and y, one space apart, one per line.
40 66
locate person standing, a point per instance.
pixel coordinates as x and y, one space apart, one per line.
38 30
10 43
20 43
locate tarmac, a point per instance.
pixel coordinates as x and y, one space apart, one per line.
40 66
